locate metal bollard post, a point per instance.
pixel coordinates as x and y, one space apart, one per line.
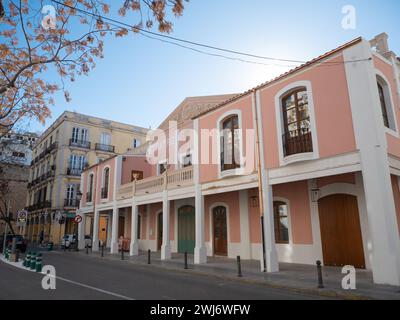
33 261
87 249
319 272
186 261
239 266
149 256
39 263
102 250
122 253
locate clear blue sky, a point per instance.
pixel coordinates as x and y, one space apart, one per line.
140 81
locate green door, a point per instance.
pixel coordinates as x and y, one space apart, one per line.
186 229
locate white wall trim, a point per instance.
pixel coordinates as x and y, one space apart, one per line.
279 123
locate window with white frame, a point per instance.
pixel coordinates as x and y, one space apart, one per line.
106 183
296 135
230 143
105 139
281 222
136 143
89 195
80 135
386 103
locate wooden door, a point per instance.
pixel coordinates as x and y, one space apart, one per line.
340 231
121 227
220 231
186 229
103 229
159 230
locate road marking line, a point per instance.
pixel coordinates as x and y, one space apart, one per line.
19 266
94 288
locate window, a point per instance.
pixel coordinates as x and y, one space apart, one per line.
136 143
79 135
139 223
281 222
136 175
105 139
386 104
90 188
296 123
162 167
186 160
77 162
106 182
230 146
18 154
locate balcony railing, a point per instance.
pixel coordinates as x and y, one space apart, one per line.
297 141
104 147
79 143
76 172
168 181
71 203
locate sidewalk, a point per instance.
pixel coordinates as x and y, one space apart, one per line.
293 277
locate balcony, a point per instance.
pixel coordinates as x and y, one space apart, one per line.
297 141
75 172
104 147
168 181
79 143
71 203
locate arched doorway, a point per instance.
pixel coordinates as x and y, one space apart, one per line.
220 231
340 231
186 229
159 230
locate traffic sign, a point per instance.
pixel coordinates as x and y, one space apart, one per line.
78 219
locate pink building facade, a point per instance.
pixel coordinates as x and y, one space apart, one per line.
314 152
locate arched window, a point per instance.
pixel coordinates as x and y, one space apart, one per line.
106 182
385 102
230 143
296 123
281 222
89 195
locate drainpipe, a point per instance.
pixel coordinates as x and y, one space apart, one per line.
260 185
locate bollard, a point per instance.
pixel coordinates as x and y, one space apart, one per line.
16 256
239 266
122 253
186 266
319 272
87 249
39 262
149 256
33 261
102 250
28 260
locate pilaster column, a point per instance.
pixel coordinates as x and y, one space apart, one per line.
81 231
134 249
96 219
114 231
166 245
371 142
200 250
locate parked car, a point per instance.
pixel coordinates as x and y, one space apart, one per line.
88 241
21 242
68 240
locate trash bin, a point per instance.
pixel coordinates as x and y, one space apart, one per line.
50 246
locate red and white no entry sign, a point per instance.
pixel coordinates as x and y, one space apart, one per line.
78 219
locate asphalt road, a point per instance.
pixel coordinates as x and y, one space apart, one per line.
86 278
